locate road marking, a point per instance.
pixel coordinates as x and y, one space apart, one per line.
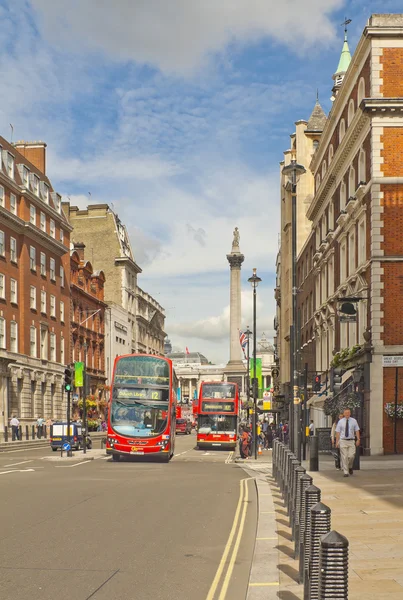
17 471
228 460
235 550
84 462
180 453
263 584
20 463
220 569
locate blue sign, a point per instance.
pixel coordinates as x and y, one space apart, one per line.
178 394
66 447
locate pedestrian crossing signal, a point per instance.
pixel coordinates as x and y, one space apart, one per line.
316 383
68 378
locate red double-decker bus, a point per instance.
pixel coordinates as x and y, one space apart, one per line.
142 408
217 420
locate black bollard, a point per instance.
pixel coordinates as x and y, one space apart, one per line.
274 459
333 567
356 464
33 431
6 433
20 433
294 465
314 453
26 432
304 482
298 472
320 525
312 497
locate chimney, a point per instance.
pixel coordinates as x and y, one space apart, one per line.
79 248
35 152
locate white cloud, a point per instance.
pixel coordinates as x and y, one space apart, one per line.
178 35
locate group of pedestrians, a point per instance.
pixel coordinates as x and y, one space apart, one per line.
266 432
42 427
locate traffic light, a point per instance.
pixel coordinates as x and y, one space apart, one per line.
68 380
316 383
335 379
254 390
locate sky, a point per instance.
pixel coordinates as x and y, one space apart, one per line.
176 113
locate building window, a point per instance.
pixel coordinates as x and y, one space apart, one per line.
53 347
13 291
13 249
32 297
62 350
52 306
2 245
330 153
351 253
342 196
43 302
330 276
52 228
343 262
331 216
2 333
10 165
2 196
32 214
61 235
25 176
342 130
61 277
361 91
362 242
350 115
44 343
45 191
62 311
32 258
43 264
2 286
13 204
52 269
35 184
32 341
361 168
43 221
351 183
13 336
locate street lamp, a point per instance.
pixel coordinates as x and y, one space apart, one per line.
254 281
84 425
248 333
293 171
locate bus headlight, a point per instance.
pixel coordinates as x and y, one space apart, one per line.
162 444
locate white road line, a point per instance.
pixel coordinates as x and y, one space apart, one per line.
18 471
70 466
20 463
180 453
228 460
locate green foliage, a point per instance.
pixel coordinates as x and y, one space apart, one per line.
333 406
92 425
345 355
390 410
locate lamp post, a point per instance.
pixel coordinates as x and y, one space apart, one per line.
358 374
85 389
248 333
293 171
254 281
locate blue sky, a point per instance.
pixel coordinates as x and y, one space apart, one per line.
176 112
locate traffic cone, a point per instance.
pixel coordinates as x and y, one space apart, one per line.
260 450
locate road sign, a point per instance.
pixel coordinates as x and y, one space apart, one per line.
392 361
66 447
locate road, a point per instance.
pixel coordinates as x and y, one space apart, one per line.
106 530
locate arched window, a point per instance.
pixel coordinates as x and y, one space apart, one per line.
315 144
317 181
361 91
361 167
342 130
351 182
330 153
323 169
350 115
343 196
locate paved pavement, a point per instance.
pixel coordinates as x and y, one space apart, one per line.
97 529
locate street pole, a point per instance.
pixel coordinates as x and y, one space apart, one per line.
395 416
305 423
85 389
248 334
68 421
291 398
254 375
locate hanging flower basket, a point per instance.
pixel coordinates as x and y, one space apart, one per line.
390 410
351 401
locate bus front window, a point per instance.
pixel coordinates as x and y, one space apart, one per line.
135 419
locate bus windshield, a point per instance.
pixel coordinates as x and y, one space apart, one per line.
135 418
217 424
218 390
142 370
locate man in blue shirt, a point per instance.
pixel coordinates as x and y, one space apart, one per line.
347 439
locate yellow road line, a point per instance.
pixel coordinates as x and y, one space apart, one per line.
236 547
220 569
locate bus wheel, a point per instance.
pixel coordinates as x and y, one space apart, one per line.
115 457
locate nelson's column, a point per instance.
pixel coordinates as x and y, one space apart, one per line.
235 369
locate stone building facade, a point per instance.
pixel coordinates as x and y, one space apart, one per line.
357 220
34 287
88 319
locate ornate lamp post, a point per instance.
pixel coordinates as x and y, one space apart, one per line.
293 171
254 281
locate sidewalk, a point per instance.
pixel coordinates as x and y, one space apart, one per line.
367 508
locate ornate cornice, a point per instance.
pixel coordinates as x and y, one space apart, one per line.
235 260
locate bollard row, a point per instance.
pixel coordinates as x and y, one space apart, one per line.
323 554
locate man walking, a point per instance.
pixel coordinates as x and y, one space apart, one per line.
347 438
15 424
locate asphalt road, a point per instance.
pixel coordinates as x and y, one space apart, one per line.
105 530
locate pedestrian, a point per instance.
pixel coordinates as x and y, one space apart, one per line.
39 426
311 428
347 439
335 450
265 427
15 428
245 443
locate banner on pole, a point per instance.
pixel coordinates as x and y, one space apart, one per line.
79 374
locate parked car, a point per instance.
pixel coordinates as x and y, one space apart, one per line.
183 426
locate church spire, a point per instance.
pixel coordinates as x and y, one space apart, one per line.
344 62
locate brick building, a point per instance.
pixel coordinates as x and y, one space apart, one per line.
88 318
34 286
357 221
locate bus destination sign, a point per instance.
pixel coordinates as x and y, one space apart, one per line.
226 407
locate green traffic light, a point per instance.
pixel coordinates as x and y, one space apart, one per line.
67 387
